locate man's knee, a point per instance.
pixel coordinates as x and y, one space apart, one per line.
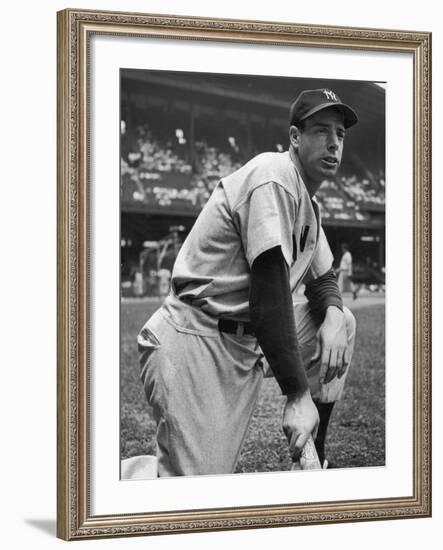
333 391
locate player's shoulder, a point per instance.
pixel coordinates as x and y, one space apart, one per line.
263 165
277 169
273 168
270 162
268 157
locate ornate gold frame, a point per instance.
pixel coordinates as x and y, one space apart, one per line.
75 28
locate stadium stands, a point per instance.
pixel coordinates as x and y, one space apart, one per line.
365 191
159 174
182 132
335 204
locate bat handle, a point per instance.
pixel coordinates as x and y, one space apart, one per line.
308 459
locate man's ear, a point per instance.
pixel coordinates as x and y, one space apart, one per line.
294 136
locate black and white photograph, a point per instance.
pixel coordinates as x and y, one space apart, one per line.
244 245
252 274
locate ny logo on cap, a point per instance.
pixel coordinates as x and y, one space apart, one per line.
330 95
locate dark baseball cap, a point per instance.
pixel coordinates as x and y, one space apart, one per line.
313 101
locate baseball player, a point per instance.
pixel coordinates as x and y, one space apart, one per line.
258 238
344 270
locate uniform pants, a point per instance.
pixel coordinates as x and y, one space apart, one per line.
203 384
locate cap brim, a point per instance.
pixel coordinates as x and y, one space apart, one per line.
349 115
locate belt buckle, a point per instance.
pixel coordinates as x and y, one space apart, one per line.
240 329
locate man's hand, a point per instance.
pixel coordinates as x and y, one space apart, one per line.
300 420
332 346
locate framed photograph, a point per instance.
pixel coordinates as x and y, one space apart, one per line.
207 170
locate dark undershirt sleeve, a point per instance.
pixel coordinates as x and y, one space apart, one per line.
322 293
272 317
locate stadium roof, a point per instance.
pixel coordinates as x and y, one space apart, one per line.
367 98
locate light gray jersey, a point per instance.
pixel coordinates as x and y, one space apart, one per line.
262 205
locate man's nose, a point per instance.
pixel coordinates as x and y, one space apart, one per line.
333 143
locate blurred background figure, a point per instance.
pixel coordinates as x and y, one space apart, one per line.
369 275
345 271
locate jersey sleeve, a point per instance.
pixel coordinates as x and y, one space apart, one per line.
265 220
323 259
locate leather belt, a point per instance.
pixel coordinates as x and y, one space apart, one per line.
235 327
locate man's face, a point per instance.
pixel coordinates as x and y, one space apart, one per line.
320 144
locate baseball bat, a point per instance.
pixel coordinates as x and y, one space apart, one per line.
308 458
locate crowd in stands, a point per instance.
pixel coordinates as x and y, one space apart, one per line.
366 191
154 155
213 164
150 167
337 204
148 160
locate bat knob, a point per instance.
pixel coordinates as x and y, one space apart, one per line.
308 459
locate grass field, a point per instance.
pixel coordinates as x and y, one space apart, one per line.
357 429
